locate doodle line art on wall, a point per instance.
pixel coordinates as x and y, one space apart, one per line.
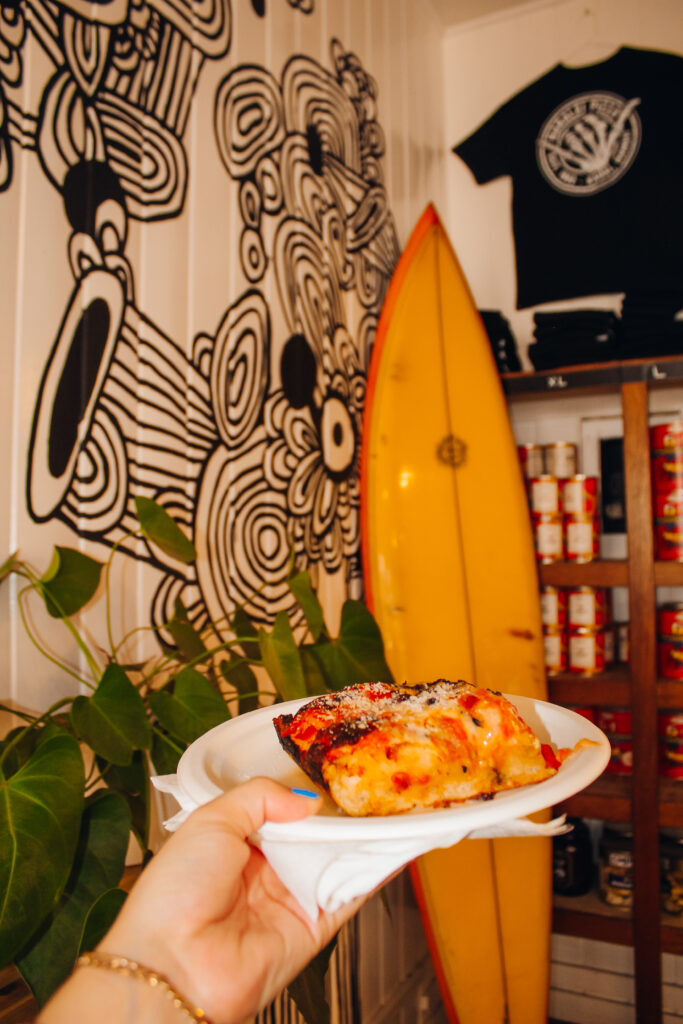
252 441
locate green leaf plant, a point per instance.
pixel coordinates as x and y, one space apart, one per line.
75 779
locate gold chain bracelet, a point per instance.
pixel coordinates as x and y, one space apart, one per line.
132 969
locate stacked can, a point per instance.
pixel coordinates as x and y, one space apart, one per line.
670 663
546 517
531 460
670 640
666 453
554 620
590 644
559 459
581 521
616 865
671 744
671 870
616 724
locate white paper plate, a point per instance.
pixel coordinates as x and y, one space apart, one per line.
248 746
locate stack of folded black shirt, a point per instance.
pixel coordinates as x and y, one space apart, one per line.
572 337
502 340
651 324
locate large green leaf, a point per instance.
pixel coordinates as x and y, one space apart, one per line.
243 627
40 814
165 753
302 588
158 526
132 782
357 655
20 743
189 643
281 658
194 706
98 867
308 988
236 671
113 721
70 581
316 683
101 917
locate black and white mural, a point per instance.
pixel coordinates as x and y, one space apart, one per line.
247 430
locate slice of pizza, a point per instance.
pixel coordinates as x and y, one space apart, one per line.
382 749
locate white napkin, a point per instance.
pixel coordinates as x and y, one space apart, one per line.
325 875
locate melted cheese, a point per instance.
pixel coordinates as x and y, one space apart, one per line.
381 749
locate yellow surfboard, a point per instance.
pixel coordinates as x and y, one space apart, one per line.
451 578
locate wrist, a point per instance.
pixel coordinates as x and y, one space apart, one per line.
109 997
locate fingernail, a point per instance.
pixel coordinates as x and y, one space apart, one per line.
305 792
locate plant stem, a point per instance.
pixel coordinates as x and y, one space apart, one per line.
254 693
36 584
42 650
33 724
19 714
198 660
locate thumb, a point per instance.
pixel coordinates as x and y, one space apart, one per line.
250 804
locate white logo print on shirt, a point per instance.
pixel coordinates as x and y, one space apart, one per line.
589 142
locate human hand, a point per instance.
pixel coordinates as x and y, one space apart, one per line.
211 915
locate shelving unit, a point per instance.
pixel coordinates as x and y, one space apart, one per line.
644 799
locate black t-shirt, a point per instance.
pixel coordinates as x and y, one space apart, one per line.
596 160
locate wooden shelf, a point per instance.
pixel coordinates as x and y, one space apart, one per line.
590 917
608 798
593 378
670 693
611 688
600 573
669 574
644 798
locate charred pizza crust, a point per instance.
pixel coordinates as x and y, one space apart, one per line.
382 749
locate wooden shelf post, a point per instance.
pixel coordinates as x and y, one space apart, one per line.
645 789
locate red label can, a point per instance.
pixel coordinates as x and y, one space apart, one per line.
670 619
586 651
671 759
531 459
670 724
585 712
667 435
560 458
544 495
580 494
614 720
621 755
548 537
669 540
553 606
587 606
670 657
668 504
581 537
555 650
667 471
